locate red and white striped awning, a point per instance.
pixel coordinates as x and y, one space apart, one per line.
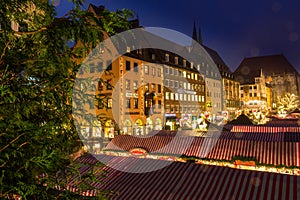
266 152
265 129
191 181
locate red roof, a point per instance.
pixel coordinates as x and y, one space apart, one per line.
191 181
268 149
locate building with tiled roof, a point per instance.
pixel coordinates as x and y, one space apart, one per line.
145 89
230 91
278 73
230 84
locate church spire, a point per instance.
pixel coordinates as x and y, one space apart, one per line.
199 36
195 32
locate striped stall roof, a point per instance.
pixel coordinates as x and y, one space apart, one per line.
265 129
192 181
249 136
283 122
266 152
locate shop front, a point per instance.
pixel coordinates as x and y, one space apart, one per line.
127 127
109 129
138 128
158 124
170 121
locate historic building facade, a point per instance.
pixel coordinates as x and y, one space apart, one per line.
272 77
227 100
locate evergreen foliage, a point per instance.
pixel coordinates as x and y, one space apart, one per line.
38 65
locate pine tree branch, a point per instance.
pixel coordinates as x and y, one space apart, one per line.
30 32
11 142
4 50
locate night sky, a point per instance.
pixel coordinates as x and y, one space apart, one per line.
234 28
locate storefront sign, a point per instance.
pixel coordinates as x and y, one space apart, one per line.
131 95
245 163
170 115
138 151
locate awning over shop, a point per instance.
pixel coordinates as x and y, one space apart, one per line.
266 152
191 181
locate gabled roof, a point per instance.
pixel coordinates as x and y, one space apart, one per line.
217 59
270 65
97 10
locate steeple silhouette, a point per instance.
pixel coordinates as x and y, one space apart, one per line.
199 36
195 32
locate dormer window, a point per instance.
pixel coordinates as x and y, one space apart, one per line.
167 58
184 63
176 60
153 56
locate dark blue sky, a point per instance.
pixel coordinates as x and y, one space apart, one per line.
234 28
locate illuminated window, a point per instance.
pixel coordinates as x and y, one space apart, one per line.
135 85
153 71
153 87
100 86
159 72
180 96
153 56
167 95
109 103
146 67
176 96
167 57
109 84
176 60
146 87
172 96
